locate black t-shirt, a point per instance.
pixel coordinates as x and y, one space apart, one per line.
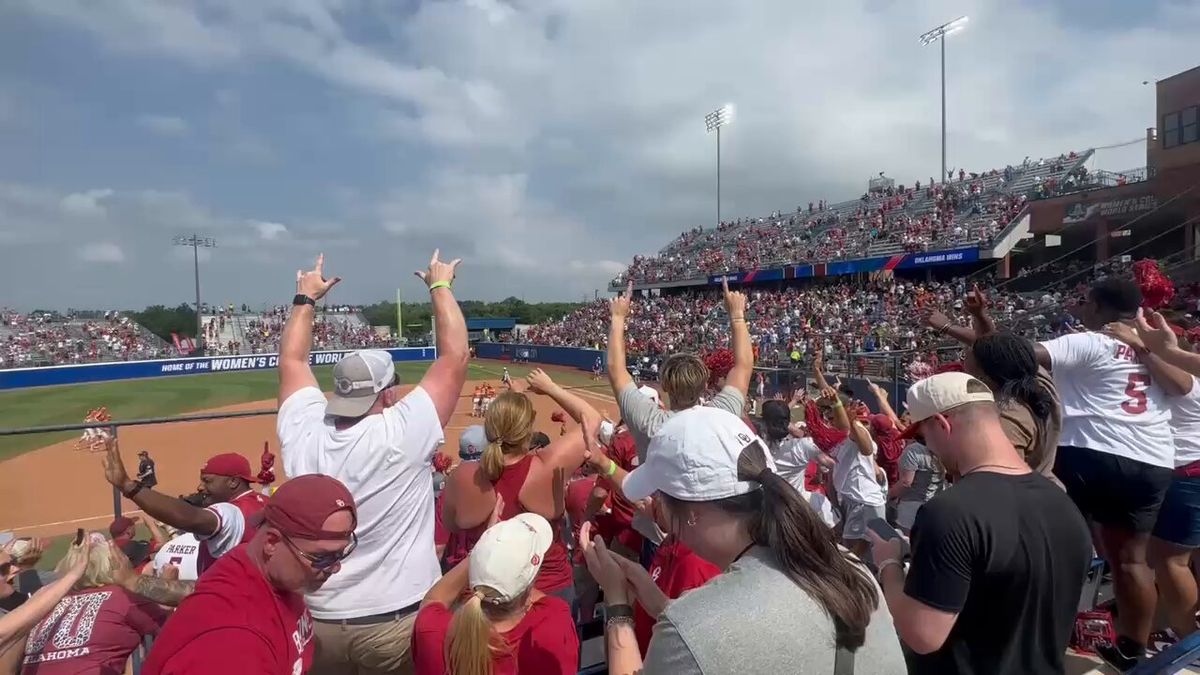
1009 555
146 468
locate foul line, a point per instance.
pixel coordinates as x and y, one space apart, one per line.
68 522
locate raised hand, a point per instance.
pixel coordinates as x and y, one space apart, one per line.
936 320
1156 333
114 466
976 301
735 301
313 283
439 271
539 381
620 306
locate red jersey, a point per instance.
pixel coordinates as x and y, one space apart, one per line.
458 545
249 504
618 523
556 573
92 631
235 623
675 570
544 642
579 493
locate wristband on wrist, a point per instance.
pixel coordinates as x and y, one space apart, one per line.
302 299
130 493
884 564
612 468
440 284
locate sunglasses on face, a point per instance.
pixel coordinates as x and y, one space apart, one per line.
323 561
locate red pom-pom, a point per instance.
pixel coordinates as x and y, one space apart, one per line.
719 363
441 463
1157 288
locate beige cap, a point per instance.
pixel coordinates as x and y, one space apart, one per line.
942 392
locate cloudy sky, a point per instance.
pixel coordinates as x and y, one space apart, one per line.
543 141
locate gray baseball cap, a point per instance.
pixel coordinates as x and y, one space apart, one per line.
471 443
357 380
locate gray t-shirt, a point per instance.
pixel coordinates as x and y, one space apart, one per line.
644 418
929 477
754 619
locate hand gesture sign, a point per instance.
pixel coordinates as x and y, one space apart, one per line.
313 283
976 301
621 305
1123 332
439 271
735 301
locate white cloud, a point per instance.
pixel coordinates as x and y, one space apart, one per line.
269 231
164 125
86 204
101 252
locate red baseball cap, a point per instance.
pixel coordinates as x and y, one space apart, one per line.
119 525
881 424
299 507
228 464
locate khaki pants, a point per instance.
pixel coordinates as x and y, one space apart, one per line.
383 648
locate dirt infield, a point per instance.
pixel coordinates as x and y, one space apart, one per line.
55 489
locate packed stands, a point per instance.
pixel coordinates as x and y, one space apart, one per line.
44 338
971 209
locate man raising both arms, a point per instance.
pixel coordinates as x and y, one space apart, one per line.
380 444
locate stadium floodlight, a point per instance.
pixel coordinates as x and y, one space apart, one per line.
196 242
713 121
939 34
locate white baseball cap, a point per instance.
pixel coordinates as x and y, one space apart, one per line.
694 457
650 393
607 430
509 555
940 393
357 380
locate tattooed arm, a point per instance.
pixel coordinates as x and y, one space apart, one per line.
167 592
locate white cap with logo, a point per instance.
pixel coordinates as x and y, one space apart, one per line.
509 555
938 393
357 380
694 457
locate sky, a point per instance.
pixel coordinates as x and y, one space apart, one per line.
545 142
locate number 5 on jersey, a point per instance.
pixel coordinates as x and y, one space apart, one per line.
1135 389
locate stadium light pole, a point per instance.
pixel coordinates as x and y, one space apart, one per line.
196 242
713 121
939 34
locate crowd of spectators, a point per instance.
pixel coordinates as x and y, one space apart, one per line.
43 338
966 209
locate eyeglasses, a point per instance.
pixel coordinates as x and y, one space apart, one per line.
323 561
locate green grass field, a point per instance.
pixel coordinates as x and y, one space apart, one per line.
160 397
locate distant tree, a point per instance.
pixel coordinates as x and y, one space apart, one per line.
162 321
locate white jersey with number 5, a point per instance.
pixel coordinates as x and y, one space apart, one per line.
1110 402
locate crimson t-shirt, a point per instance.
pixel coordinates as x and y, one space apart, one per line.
92 631
675 570
235 623
544 642
618 524
458 545
579 493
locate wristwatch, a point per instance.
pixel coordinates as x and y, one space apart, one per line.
129 493
616 615
302 299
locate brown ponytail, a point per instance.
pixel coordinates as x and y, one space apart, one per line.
471 642
804 547
508 425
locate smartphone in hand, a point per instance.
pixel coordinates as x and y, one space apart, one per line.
79 536
886 532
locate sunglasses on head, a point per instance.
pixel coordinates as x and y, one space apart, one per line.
323 561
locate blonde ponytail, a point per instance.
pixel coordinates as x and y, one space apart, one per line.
469 640
493 460
508 425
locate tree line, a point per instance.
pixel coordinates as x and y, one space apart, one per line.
181 320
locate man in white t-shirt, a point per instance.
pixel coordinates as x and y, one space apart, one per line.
381 446
1116 452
